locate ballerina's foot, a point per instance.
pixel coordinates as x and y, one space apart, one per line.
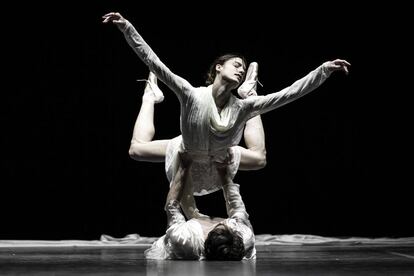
152 91
249 86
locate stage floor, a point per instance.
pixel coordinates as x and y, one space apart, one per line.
353 259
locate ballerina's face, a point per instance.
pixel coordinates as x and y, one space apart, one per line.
233 70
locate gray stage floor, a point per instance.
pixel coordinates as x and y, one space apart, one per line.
387 259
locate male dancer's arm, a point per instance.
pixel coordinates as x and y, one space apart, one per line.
237 210
175 194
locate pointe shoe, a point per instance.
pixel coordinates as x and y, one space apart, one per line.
250 83
152 90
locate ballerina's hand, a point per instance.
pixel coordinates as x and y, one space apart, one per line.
338 65
116 18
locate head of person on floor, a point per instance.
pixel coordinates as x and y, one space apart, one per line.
224 243
229 68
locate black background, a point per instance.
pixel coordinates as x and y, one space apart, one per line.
339 160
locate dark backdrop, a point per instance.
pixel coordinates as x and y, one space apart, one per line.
338 162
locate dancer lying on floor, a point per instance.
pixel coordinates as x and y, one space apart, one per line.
204 237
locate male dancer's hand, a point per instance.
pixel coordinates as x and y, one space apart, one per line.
224 161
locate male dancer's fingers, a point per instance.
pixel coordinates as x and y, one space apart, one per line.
184 158
230 156
220 165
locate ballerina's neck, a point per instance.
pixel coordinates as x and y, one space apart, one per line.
221 97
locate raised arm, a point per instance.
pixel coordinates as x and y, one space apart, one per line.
301 87
179 85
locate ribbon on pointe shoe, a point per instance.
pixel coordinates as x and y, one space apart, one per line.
152 88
